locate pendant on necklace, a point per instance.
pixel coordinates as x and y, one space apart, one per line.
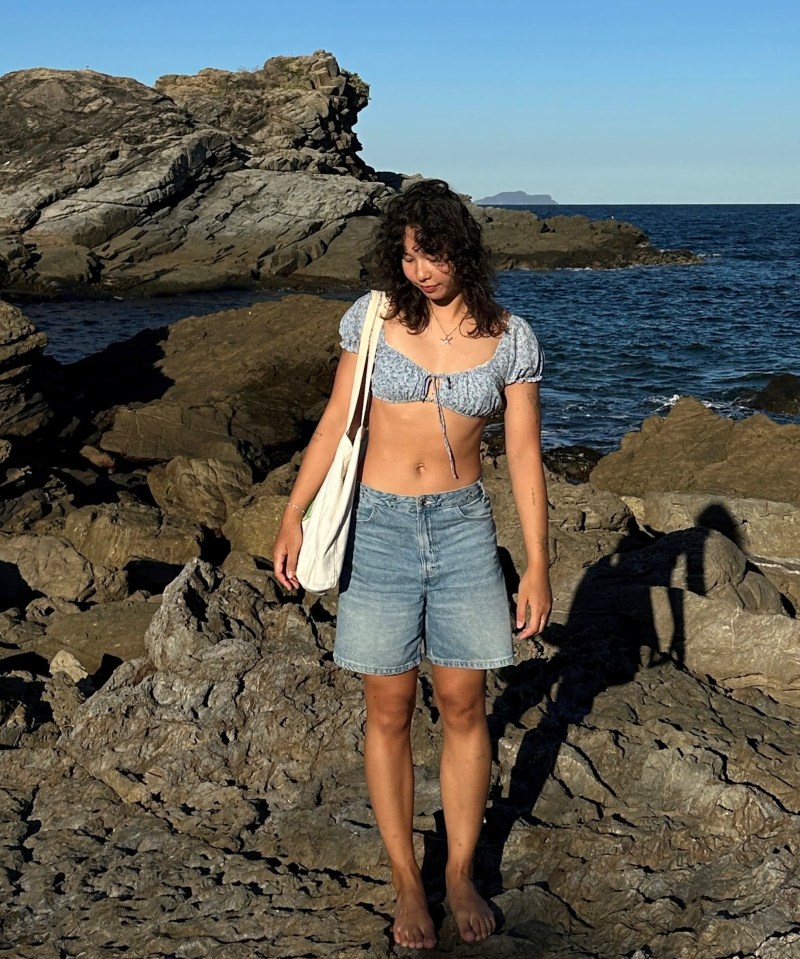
445 340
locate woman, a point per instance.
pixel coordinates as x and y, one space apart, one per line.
422 566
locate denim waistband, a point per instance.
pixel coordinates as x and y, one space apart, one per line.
413 504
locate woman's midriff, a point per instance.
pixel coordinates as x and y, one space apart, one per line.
406 452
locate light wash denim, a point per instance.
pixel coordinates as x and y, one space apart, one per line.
422 573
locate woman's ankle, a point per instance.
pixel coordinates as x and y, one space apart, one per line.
406 874
457 871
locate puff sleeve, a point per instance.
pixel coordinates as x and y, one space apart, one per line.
352 323
526 357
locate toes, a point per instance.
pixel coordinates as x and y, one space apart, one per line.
414 940
476 928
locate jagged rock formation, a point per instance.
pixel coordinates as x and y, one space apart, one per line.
295 113
108 181
212 791
219 179
23 407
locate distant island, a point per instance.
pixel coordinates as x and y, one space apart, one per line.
517 198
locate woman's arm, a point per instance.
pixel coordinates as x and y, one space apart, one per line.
316 463
524 453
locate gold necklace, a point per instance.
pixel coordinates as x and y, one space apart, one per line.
447 338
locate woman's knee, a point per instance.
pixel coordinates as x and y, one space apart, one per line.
460 697
461 715
390 703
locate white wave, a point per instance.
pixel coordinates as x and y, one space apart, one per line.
662 403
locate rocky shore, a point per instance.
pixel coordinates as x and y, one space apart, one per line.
181 761
223 179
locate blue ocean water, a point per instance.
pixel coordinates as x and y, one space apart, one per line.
624 344
621 344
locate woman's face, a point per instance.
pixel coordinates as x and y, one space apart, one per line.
435 278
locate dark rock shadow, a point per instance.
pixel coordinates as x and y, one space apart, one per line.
84 397
151 575
104 672
122 373
716 516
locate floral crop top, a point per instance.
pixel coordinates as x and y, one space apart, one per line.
478 391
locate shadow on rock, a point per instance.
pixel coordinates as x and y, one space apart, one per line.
610 634
122 373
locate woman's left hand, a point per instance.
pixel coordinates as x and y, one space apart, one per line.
534 602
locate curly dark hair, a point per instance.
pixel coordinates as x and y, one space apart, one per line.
445 230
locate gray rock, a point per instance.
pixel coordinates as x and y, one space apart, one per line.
23 407
54 567
759 527
700 561
233 178
202 491
97 457
21 710
40 609
177 202
780 395
28 497
216 795
739 650
257 573
649 596
253 527
65 662
116 535
207 643
295 113
786 579
518 239
694 450
18 634
64 697
585 524
245 383
347 257
162 430
105 634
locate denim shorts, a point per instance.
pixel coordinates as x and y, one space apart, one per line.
422 572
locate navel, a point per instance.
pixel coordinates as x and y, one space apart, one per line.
420 468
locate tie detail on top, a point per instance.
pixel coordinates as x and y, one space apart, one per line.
433 382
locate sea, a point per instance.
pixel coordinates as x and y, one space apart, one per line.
620 345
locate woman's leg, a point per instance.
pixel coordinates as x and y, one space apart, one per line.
464 777
390 781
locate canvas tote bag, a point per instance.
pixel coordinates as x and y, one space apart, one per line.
327 521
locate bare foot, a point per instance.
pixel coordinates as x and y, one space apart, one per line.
471 912
413 926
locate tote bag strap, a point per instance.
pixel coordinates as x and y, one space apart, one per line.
366 356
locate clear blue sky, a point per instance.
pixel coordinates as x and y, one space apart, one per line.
622 101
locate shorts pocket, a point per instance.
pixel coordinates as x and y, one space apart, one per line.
479 508
364 513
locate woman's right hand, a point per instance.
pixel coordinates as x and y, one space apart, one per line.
286 549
